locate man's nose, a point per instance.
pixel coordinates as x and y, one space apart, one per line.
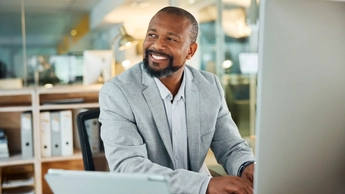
159 44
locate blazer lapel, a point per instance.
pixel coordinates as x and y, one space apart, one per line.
193 121
154 101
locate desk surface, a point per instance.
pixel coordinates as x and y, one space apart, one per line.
212 164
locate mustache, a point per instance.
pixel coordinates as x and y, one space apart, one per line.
151 51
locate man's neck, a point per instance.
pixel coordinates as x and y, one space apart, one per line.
173 82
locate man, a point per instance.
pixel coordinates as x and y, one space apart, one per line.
162 116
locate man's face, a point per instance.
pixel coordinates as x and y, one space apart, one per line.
167 44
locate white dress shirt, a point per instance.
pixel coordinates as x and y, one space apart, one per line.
175 109
176 114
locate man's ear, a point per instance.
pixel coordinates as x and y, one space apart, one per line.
192 49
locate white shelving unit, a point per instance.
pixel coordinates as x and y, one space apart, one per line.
15 101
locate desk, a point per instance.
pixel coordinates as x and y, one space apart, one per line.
212 164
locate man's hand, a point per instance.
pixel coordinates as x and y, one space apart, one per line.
230 185
248 173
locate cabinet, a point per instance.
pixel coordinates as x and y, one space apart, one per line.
13 102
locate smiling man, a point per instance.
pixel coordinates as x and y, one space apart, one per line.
161 116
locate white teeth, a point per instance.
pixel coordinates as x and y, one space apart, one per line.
158 57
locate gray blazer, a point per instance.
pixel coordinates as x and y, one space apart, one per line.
135 129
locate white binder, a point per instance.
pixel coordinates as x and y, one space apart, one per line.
46 150
26 135
66 129
55 133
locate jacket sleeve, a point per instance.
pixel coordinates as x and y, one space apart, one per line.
229 148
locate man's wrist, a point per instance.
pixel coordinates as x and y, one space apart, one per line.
243 166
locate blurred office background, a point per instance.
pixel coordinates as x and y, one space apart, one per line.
43 42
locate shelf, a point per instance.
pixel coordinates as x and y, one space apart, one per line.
69 89
16 159
16 92
76 156
16 109
13 102
19 100
68 106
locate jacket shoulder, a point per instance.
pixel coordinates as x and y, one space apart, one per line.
202 76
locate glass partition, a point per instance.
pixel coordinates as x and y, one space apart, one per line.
39 45
240 62
11 47
31 36
228 48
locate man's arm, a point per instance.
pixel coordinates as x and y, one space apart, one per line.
229 148
232 152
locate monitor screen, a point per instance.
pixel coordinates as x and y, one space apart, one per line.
98 66
249 63
67 68
300 131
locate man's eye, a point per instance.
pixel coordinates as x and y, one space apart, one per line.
171 39
151 35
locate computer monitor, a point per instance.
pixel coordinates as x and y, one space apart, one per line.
67 68
98 66
300 142
249 63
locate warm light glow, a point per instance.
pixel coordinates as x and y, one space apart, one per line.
73 32
134 18
142 4
128 44
48 85
227 64
126 63
191 1
235 23
242 3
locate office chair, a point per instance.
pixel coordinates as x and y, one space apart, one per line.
91 161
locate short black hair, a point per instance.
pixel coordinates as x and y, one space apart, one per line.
185 14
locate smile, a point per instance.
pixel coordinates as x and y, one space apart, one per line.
158 57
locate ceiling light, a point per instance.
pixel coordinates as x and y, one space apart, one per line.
141 4
234 23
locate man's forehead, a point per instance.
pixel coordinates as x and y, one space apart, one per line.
162 17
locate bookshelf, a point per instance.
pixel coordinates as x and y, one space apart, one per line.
13 102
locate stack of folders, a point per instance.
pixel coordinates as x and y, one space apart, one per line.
56 133
17 179
4 153
18 183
